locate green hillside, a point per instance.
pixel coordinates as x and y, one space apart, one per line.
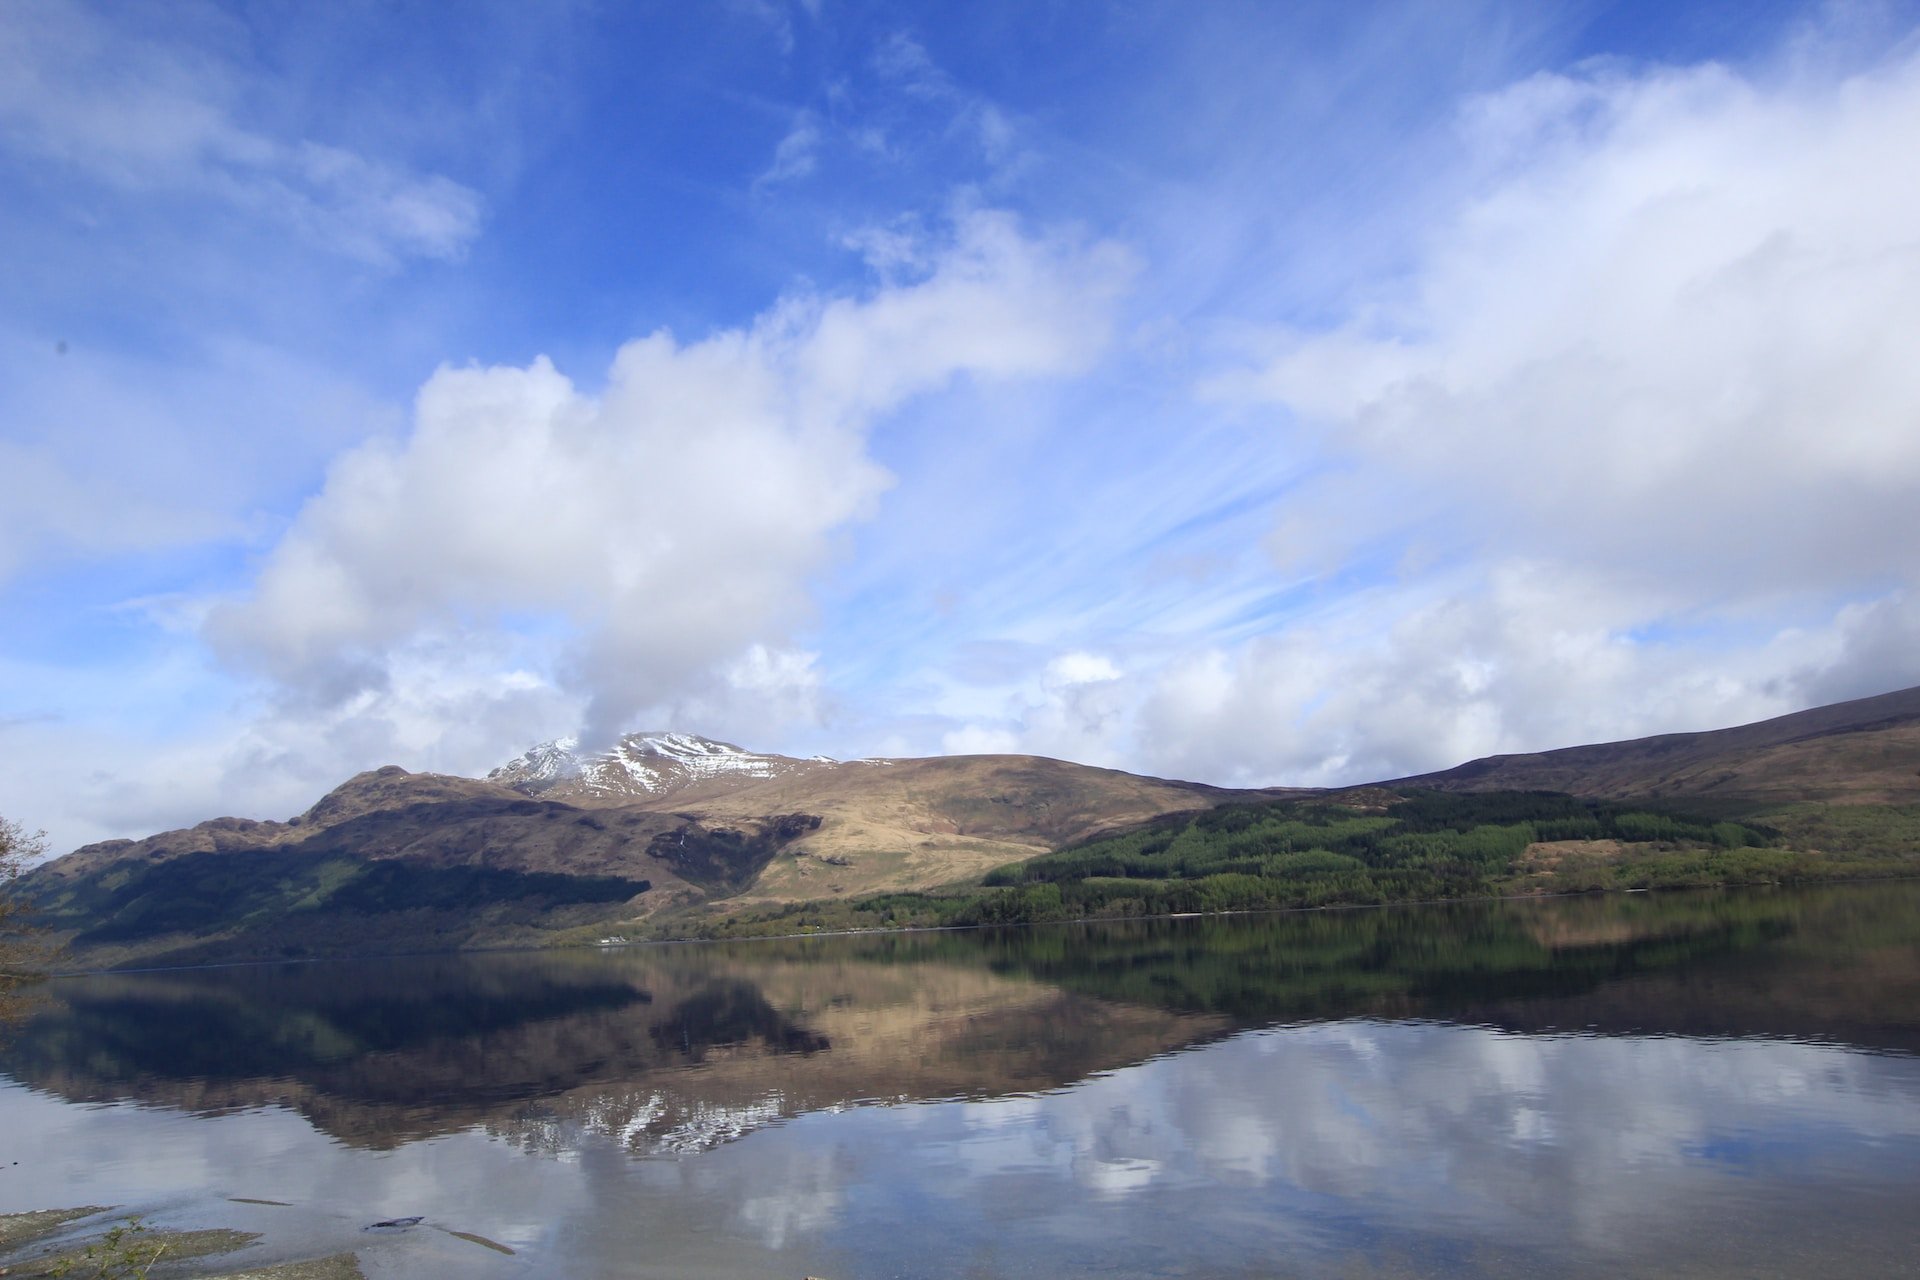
1371 846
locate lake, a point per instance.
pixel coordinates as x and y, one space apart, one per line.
1684 1084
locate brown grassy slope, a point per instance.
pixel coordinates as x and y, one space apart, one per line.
1866 751
888 825
917 824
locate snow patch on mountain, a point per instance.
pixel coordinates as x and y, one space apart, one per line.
648 764
547 762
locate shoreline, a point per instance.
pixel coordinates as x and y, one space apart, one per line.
1904 873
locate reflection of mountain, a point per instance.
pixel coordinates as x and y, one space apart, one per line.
672 1049
897 1034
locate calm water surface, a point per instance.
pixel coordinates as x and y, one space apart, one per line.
1695 1084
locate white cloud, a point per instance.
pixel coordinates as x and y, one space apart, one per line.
1400 682
772 15
1405 679
1073 670
978 740
911 112
44 503
1078 707
668 525
1870 648
759 694
1673 333
796 155
446 705
144 115
108 451
1635 423
904 60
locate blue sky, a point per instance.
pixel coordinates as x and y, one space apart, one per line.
1252 393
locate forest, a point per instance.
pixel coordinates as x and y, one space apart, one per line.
1359 848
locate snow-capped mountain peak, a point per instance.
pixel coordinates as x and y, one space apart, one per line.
641 764
545 762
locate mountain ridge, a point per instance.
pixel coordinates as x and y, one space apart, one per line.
558 838
644 765
1782 759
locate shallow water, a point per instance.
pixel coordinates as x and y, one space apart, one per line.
1685 1084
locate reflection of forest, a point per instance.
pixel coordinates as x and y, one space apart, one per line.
677 1047
1838 964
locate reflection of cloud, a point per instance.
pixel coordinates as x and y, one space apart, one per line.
804 1200
1575 1155
1530 1130
1117 1177
1551 1143
1001 1112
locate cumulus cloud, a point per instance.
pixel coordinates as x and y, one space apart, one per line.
1389 686
1673 332
1630 449
664 527
1077 707
448 705
1870 648
1405 679
142 115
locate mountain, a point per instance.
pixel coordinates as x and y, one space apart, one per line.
643 766
388 858
1866 751
885 824
557 840
561 843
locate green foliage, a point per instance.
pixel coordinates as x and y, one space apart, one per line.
1858 831
119 1255
1026 904
1424 845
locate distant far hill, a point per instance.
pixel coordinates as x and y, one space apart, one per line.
663 834
1866 751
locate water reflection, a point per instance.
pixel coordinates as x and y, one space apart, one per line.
1358 1146
662 1043
674 1048
1669 1083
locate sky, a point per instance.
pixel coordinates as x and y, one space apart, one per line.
1250 393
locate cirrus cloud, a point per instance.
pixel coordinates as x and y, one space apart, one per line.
1629 448
147 113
